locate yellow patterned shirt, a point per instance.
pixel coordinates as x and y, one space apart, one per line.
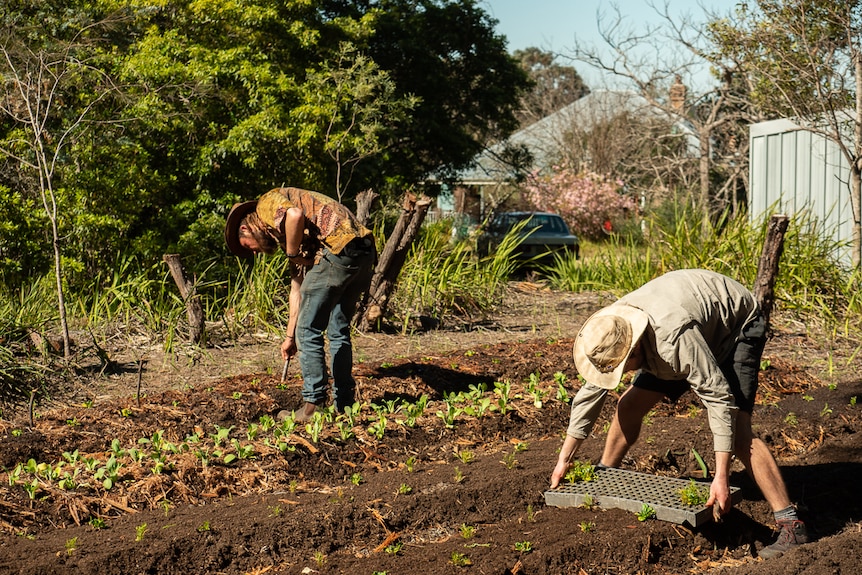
329 224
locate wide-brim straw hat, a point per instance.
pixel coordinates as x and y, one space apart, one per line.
231 228
605 342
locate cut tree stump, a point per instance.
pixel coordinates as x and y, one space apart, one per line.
373 306
767 268
194 309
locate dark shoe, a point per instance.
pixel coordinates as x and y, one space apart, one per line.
791 533
306 412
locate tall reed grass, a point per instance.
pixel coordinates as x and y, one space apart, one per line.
442 275
811 282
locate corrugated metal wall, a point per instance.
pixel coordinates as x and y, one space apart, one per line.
792 170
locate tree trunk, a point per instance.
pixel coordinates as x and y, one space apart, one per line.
194 310
391 261
767 268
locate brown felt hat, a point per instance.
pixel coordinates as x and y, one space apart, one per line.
231 228
605 342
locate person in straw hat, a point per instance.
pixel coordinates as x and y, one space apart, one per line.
687 329
331 261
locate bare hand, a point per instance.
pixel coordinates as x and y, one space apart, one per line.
559 473
288 348
719 497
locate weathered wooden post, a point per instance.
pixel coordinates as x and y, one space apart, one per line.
767 268
194 309
391 260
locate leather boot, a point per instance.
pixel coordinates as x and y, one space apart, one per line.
306 412
791 533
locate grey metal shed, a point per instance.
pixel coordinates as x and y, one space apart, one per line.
794 170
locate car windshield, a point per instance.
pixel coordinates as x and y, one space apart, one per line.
541 223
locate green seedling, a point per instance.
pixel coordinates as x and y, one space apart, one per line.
467 531
588 502
205 526
531 515
314 428
646 512
460 560
853 401
275 511
378 428
587 526
97 523
356 478
701 463
503 391
319 558
509 461
459 477
826 411
581 471
404 489
466 456
523 546
692 494
394 548
410 463
140 531
71 545
791 419
562 392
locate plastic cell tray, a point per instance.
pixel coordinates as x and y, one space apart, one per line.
630 490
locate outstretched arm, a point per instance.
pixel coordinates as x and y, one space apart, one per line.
570 447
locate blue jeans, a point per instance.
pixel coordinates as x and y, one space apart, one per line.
330 291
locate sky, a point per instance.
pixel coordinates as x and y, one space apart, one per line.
553 25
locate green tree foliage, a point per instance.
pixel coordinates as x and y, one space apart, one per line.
216 101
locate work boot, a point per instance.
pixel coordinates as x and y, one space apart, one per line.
791 532
305 413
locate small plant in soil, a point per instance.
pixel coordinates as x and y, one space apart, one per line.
531 514
503 390
581 471
140 531
410 463
523 546
460 560
356 478
459 477
509 461
587 526
275 511
466 456
467 531
521 446
97 523
378 428
692 494
394 548
562 392
826 411
205 526
404 489
71 545
645 513
853 401
588 502
791 419
319 558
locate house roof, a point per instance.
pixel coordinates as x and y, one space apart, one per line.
545 138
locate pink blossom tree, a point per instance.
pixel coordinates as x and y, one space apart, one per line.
589 202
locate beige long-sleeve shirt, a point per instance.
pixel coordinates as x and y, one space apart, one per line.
695 320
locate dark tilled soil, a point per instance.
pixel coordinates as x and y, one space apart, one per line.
346 499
